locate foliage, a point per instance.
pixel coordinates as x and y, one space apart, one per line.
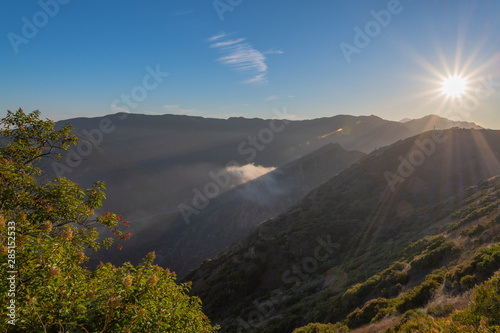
482 315
486 301
440 310
364 315
421 294
428 243
480 208
432 256
417 321
386 283
322 328
482 265
55 223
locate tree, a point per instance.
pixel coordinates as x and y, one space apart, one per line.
45 228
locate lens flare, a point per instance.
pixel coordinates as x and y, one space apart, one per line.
454 86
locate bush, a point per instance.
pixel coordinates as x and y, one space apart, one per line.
413 321
420 295
432 257
486 301
386 283
468 282
482 265
365 315
440 310
474 231
53 223
322 328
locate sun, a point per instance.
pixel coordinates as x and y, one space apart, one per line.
454 86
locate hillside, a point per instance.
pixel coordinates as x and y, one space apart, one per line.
230 216
153 164
296 268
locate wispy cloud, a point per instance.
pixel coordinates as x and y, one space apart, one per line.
260 78
228 43
219 36
242 57
119 109
176 109
273 51
273 98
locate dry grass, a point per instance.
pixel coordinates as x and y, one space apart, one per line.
459 302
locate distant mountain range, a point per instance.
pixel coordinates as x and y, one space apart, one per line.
433 121
153 166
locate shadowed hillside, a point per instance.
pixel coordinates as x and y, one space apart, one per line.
295 268
230 216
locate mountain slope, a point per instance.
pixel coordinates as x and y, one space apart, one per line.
293 269
232 215
229 217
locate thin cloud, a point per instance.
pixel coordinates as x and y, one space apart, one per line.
257 79
273 98
219 36
176 109
273 51
228 43
119 108
241 56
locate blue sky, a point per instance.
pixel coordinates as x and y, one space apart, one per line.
86 55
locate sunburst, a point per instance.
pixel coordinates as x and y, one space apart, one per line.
454 86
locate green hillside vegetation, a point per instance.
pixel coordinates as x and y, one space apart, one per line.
47 228
455 271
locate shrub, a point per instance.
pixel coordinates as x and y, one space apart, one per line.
54 225
486 301
413 321
482 265
474 231
322 328
432 257
420 295
364 315
468 282
386 283
440 310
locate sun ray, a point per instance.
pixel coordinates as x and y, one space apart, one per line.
487 154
